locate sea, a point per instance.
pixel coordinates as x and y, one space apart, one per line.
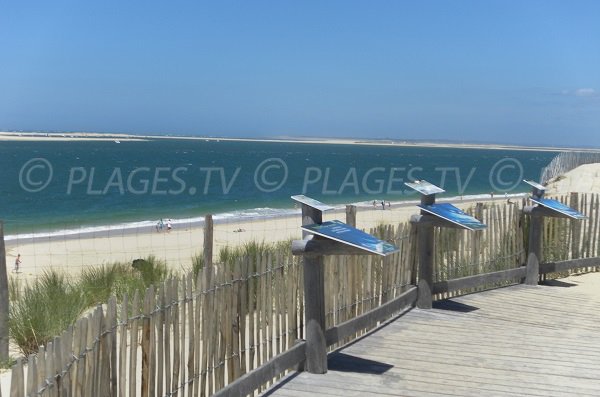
71 187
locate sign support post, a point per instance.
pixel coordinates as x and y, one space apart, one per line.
320 239
543 208
534 254
426 246
432 215
314 300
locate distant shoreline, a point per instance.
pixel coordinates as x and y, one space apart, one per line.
148 227
85 136
74 252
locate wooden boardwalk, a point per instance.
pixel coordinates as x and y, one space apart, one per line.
519 340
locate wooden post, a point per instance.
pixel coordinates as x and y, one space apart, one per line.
425 239
351 215
314 301
208 240
534 254
425 283
3 298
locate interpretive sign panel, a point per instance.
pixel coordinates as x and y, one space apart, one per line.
343 233
424 187
452 214
312 202
535 185
559 207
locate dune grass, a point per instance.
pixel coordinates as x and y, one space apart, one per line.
228 256
43 309
14 290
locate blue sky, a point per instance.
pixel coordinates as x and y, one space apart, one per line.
522 72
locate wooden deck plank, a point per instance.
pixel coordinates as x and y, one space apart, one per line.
518 340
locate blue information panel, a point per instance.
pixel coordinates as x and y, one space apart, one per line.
312 202
343 233
535 185
452 214
424 187
559 207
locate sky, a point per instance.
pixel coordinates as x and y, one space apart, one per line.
517 72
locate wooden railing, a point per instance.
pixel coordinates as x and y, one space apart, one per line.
236 329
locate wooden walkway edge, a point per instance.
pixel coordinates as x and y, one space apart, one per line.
519 340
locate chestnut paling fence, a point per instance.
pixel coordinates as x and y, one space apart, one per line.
565 162
197 335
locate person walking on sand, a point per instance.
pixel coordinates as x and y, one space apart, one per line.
17 263
169 226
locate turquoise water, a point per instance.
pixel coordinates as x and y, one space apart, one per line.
46 186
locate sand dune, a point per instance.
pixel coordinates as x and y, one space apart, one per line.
583 179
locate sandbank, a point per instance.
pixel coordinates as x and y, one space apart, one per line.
78 136
66 137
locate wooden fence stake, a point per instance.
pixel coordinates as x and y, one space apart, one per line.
208 240
3 298
351 215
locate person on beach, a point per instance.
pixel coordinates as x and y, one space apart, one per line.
383 205
17 263
169 226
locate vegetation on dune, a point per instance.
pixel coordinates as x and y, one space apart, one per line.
253 250
43 309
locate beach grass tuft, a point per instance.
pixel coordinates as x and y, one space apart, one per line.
98 283
7 363
252 249
14 289
44 309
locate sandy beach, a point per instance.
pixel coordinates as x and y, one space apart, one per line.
73 253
